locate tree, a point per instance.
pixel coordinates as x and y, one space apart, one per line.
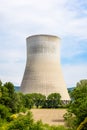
18 103
0 88
10 98
10 88
78 105
0 83
53 100
4 99
4 111
38 99
28 101
80 91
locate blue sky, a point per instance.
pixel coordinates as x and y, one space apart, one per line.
64 18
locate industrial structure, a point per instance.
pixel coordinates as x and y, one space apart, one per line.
43 73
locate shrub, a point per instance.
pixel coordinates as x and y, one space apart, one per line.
4 112
70 120
83 125
23 122
3 124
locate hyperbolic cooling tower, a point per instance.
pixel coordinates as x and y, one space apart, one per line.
43 69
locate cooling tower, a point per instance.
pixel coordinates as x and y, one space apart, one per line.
43 72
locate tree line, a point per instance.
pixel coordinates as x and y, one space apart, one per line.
15 102
12 102
76 117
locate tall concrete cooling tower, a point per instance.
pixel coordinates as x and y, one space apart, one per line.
43 69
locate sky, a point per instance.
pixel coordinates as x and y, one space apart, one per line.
66 19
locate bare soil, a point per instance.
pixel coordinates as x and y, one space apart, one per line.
49 116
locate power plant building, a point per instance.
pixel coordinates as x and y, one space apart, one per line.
43 73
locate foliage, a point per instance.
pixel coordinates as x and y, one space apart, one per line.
0 89
78 105
38 99
7 97
13 117
0 83
18 103
3 125
40 126
28 101
79 108
23 122
70 120
4 112
10 99
83 125
12 103
10 88
80 91
53 100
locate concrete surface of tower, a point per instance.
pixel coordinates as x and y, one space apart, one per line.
43 72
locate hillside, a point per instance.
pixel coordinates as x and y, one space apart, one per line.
17 88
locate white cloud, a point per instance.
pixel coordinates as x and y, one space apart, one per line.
74 73
51 15
21 18
12 72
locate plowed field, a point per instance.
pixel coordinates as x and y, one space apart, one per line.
49 116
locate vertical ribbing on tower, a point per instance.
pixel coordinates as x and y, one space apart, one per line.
43 73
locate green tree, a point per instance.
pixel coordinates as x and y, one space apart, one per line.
7 91
0 89
28 101
38 99
78 105
11 99
18 103
4 99
4 111
53 100
10 88
80 91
